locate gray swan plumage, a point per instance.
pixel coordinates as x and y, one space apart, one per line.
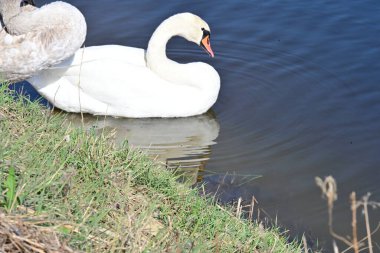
34 39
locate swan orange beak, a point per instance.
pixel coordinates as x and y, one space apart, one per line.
205 43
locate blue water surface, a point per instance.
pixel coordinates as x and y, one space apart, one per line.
300 98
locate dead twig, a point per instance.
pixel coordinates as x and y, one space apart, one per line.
306 249
329 191
354 222
364 203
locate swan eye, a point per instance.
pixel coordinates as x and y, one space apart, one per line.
202 29
205 33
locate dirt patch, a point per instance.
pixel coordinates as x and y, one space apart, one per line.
28 234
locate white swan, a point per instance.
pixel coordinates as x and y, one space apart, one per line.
125 82
37 38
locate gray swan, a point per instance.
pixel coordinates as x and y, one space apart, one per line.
34 39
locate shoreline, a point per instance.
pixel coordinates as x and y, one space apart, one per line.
98 197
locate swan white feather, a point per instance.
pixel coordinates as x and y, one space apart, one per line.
129 82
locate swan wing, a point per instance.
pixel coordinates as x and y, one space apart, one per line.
118 79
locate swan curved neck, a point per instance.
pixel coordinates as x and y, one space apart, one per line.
156 52
156 59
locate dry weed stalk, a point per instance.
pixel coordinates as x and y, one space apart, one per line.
365 203
239 208
368 228
355 243
329 191
305 247
251 208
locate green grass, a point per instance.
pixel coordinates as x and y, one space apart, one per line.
99 197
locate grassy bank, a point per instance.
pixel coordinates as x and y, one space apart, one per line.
95 197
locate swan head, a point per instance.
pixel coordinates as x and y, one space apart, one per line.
8 5
11 8
193 29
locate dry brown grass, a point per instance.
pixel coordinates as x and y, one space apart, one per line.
329 191
27 234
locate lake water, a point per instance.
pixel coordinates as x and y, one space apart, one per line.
300 98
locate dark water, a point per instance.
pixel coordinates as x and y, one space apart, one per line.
300 98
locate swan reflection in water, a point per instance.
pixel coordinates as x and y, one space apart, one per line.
183 143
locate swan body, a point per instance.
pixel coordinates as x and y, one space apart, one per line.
131 82
37 38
